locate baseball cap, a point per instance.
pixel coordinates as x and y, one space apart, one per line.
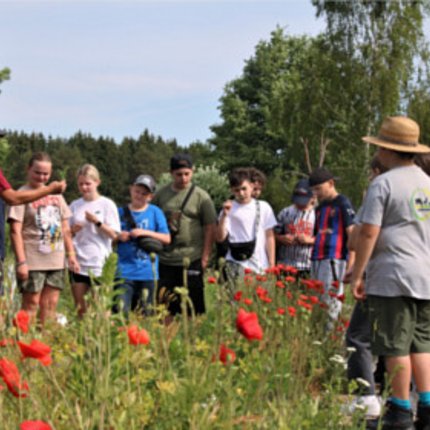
181 161
319 176
147 181
302 193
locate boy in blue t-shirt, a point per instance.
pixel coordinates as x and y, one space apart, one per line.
334 222
134 264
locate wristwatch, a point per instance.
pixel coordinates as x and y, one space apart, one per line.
99 224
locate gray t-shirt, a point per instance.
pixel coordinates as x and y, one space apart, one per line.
399 202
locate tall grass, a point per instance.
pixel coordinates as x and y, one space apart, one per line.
288 380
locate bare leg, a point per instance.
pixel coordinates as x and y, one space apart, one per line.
30 304
79 290
399 375
48 303
421 370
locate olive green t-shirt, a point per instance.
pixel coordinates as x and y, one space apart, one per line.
198 212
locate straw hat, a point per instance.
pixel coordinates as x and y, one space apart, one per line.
399 133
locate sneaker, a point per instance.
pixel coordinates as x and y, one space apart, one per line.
370 404
394 418
423 417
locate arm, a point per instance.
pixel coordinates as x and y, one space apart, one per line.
13 197
270 246
221 228
18 247
367 238
351 255
164 238
68 244
209 236
103 228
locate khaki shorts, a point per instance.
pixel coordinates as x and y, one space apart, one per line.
400 325
37 279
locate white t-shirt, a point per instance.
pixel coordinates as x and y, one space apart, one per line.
240 228
91 244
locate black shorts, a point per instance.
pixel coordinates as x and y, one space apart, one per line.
78 278
172 277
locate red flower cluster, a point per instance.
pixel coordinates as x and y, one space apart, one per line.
37 350
212 280
35 425
248 325
280 284
11 377
237 296
22 321
263 294
292 311
290 279
136 336
226 355
313 284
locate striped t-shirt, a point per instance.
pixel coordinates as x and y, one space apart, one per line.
333 217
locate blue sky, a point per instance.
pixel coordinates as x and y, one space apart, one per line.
114 68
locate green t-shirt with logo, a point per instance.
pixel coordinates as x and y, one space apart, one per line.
198 212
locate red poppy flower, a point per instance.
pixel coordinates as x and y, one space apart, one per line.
212 280
280 284
37 350
247 271
136 336
22 320
314 299
332 294
247 301
323 305
281 311
303 297
261 292
266 299
304 305
292 311
238 296
6 342
335 284
11 377
341 297
289 295
261 278
248 279
293 270
226 355
290 279
35 425
248 325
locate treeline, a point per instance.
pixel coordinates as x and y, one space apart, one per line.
299 102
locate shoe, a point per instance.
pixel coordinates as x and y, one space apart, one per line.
423 417
370 404
394 418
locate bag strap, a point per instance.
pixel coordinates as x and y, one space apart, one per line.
257 218
128 216
187 197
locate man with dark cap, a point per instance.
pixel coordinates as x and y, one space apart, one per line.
191 218
295 229
334 222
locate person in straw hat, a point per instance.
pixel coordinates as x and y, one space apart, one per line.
394 247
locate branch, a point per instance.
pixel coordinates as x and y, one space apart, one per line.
305 143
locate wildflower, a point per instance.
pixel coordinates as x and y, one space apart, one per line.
248 325
212 280
291 269
341 297
335 284
332 294
303 297
281 311
351 349
317 343
247 301
261 278
314 300
248 279
261 292
136 336
304 305
266 299
337 359
247 271
363 382
11 377
238 296
290 279
289 295
292 311
226 355
280 284
22 320
37 350
6 342
34 425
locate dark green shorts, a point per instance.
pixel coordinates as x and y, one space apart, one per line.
37 279
400 325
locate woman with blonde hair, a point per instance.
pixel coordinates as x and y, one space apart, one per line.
94 224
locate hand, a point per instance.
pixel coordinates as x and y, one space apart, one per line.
22 272
124 236
358 289
58 187
73 263
138 232
304 239
226 207
91 217
289 239
75 228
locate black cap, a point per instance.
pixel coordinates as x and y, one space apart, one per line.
181 161
319 176
302 193
147 181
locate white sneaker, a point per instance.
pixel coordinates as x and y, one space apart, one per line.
371 404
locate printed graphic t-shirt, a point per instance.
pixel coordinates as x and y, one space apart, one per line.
41 231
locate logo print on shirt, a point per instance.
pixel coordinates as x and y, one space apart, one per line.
420 204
